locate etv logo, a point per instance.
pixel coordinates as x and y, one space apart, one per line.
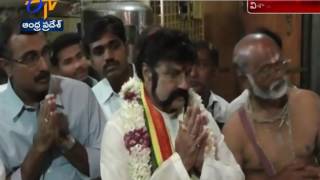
35 25
47 5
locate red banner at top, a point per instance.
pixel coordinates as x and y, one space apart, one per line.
283 6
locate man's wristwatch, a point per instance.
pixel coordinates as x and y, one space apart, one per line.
68 144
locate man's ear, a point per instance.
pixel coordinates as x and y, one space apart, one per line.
6 66
146 73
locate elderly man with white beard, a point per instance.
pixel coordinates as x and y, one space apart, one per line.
275 134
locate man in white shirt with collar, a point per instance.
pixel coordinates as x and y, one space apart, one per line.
201 76
162 131
105 43
51 126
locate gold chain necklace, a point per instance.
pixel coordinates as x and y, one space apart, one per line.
282 115
285 119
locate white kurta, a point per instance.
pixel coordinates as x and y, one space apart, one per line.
115 156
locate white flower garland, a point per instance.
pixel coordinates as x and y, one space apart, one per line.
133 114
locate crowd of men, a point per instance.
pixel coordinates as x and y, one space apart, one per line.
156 118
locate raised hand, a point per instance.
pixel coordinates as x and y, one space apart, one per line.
47 131
190 137
202 144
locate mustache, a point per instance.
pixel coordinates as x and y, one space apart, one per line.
42 75
194 82
174 95
110 62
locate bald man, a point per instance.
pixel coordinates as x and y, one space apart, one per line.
275 134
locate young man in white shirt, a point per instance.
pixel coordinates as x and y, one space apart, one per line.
202 73
105 43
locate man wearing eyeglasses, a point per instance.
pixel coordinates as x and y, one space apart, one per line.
275 134
50 126
236 103
105 43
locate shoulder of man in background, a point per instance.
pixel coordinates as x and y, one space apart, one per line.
235 104
218 107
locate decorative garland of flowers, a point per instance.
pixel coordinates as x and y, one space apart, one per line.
136 138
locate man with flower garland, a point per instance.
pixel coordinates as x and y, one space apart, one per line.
162 131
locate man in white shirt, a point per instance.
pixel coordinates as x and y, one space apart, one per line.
202 73
162 130
105 43
51 127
